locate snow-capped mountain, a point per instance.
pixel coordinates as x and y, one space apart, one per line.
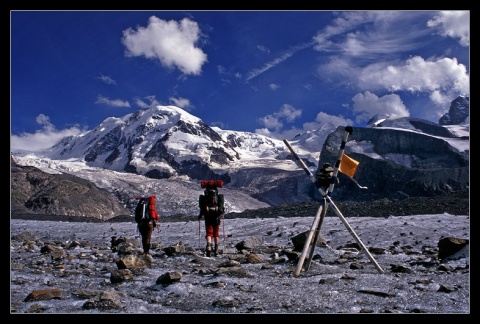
166 141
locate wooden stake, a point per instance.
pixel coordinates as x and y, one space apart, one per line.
307 242
317 234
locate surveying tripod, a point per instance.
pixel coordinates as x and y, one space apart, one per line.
322 210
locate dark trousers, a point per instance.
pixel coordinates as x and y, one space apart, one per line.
146 231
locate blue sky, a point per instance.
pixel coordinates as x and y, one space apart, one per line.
277 73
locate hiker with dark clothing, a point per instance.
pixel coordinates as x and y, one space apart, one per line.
212 208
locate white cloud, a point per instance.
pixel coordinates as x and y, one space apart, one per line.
151 102
307 86
417 75
112 102
273 86
263 49
41 139
324 118
171 42
227 74
107 79
140 103
273 127
182 103
441 79
289 112
274 121
354 39
45 122
256 72
221 69
454 24
271 122
368 105
370 35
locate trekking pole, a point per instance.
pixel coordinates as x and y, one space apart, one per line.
158 229
224 237
199 244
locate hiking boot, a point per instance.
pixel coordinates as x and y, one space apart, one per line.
208 249
216 250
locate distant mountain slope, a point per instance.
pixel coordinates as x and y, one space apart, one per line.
37 192
396 161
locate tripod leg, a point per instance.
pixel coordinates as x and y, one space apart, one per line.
355 236
308 240
317 234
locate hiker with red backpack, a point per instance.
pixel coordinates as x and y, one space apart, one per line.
211 205
146 217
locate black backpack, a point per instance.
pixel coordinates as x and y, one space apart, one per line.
211 202
145 210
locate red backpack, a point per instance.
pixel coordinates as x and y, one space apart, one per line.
145 209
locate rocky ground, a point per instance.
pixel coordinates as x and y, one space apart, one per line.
61 267
65 264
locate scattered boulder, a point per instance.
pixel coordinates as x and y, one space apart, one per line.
169 278
448 246
300 239
44 294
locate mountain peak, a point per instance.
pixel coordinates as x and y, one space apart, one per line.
459 112
166 141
